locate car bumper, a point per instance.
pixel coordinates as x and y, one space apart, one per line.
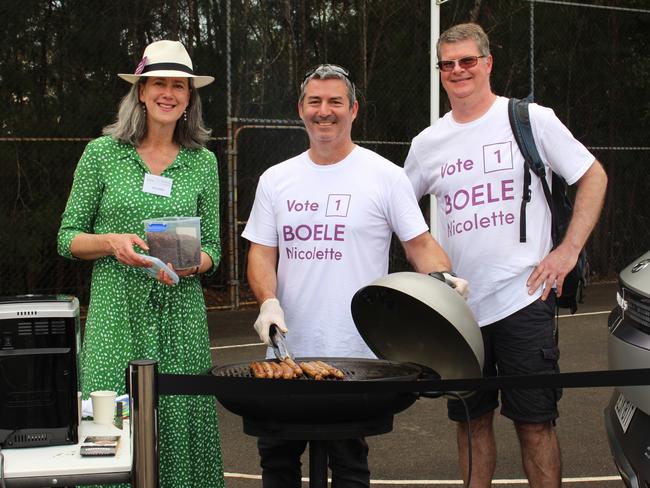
630 448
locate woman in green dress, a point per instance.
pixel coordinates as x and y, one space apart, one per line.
151 163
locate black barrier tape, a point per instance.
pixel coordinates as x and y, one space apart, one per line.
170 384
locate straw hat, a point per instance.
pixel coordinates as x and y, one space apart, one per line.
166 59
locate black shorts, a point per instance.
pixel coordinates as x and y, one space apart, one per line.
523 343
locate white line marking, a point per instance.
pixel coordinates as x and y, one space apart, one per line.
235 346
592 478
587 479
584 314
255 344
243 476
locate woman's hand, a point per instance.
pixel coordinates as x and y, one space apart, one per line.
121 246
182 273
95 246
187 272
205 265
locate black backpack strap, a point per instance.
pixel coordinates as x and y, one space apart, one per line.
523 132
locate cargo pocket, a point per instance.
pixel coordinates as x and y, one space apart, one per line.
549 303
552 355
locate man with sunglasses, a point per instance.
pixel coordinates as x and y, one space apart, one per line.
320 229
470 161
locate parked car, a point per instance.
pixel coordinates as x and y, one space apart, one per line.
627 417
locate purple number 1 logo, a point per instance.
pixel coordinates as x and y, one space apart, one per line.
337 205
497 157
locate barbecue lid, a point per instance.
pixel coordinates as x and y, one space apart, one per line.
413 317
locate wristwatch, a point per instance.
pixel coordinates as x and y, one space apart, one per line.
440 275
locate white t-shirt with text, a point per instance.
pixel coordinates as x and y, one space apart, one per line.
332 225
475 170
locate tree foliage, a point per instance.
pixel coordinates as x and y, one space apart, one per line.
58 79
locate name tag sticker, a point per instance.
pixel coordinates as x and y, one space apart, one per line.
157 185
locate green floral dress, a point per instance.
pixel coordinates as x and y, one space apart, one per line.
133 316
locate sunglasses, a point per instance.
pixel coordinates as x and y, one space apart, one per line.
465 63
334 67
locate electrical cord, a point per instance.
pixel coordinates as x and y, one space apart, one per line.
469 436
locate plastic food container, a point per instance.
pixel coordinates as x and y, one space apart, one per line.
175 240
157 265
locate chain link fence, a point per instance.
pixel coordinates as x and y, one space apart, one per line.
587 60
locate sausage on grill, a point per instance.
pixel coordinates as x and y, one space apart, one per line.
257 370
310 371
268 370
292 364
287 372
324 372
337 373
277 369
288 369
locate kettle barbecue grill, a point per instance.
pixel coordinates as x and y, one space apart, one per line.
437 338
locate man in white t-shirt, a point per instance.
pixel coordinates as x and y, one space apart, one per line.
470 161
320 229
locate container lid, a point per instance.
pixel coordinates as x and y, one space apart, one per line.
157 227
157 265
413 317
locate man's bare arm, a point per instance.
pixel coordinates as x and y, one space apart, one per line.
262 271
425 254
589 200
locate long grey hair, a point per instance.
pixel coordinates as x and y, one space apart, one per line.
130 126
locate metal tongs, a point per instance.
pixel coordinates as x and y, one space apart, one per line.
278 342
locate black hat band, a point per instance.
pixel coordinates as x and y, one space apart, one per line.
167 66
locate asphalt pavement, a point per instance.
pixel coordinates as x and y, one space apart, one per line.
421 449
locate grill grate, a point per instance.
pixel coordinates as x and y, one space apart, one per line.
244 372
353 369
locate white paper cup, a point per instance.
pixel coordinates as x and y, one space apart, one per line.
103 406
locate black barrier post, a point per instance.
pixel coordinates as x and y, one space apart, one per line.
142 378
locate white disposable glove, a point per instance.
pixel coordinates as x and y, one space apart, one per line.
270 313
460 285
